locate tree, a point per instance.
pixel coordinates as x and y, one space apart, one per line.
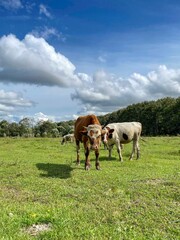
4 128
14 130
65 127
45 128
26 127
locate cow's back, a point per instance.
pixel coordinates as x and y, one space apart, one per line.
81 122
126 131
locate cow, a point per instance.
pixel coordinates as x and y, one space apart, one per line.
88 130
123 133
67 138
105 143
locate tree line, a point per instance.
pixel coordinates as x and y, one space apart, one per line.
161 117
27 128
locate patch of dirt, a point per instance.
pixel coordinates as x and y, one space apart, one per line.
35 229
155 181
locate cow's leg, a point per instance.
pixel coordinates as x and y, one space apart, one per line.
118 145
86 152
87 160
138 150
133 150
110 151
78 151
97 159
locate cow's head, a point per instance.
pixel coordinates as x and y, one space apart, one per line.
108 134
94 133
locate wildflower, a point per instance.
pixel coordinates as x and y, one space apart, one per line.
33 215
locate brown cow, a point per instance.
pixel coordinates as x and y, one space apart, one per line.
88 130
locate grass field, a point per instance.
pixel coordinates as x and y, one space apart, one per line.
44 195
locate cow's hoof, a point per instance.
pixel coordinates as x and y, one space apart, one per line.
87 167
98 167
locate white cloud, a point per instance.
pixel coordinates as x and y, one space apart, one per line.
165 81
106 92
34 61
102 59
11 4
11 102
43 10
46 33
40 117
85 78
29 6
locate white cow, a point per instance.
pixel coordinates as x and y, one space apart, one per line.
122 133
67 138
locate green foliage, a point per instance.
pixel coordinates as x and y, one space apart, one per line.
26 127
14 129
4 128
42 186
161 117
46 129
65 127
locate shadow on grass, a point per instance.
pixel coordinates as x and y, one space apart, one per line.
101 159
62 171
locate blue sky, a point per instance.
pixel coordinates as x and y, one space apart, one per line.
61 59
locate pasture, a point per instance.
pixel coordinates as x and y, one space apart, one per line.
44 195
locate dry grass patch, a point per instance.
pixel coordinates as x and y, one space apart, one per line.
36 229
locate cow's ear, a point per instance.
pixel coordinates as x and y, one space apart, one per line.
84 132
111 130
104 131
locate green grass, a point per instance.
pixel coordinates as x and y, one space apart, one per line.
41 184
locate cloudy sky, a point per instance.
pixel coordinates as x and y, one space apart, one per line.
61 59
